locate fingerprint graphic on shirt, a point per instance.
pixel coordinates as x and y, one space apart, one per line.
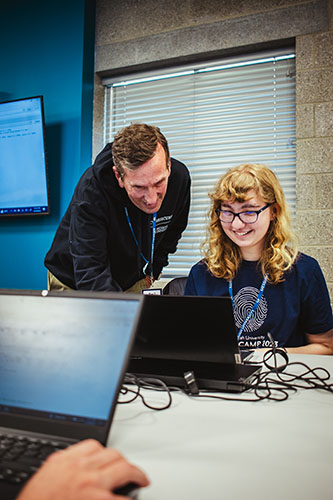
244 301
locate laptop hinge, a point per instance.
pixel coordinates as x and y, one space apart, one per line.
238 359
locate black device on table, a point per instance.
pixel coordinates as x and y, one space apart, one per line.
181 334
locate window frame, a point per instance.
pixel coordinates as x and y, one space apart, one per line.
276 120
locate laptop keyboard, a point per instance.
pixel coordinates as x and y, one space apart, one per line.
21 456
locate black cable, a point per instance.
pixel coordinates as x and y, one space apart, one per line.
275 383
308 382
145 383
319 382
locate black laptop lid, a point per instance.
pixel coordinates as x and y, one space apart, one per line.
187 328
62 360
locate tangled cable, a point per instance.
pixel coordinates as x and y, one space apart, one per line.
274 383
152 384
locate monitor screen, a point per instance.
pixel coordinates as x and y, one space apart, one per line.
23 169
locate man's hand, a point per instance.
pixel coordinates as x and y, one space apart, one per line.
84 471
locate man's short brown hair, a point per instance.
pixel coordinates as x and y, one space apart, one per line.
136 144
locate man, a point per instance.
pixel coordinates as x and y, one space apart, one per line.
127 214
84 471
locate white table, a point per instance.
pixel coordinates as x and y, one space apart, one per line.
206 449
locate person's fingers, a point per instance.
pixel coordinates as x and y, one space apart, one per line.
108 466
101 457
121 473
85 471
84 448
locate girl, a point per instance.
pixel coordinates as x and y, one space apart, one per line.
250 254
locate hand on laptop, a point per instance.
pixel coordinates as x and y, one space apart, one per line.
84 471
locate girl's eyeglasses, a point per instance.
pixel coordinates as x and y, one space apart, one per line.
248 216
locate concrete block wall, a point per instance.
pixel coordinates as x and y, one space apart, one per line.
314 133
137 35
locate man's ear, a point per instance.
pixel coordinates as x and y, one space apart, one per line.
169 167
118 177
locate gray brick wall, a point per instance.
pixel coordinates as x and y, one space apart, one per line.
314 102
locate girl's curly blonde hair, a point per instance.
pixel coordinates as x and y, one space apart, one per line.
223 257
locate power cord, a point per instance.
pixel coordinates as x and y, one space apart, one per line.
153 384
276 383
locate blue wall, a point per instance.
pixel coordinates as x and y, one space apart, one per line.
47 48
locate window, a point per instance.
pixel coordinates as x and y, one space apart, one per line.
215 116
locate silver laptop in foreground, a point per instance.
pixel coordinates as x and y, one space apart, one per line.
62 362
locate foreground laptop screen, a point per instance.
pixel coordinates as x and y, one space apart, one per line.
60 358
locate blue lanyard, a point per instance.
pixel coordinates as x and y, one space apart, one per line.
254 307
152 241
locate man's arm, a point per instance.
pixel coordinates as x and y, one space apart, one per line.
88 247
85 471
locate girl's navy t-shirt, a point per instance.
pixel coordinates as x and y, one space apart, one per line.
288 310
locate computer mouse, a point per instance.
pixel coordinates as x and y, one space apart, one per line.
130 490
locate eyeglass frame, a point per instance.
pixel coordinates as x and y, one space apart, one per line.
218 211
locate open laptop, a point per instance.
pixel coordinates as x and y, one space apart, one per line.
62 362
181 334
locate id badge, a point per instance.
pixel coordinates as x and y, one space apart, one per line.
152 291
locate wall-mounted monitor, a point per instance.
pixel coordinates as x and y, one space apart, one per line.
23 168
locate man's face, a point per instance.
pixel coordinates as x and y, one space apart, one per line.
146 186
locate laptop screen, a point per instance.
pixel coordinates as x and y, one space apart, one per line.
60 358
189 328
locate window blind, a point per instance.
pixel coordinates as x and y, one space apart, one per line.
215 116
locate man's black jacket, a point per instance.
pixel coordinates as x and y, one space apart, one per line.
94 249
